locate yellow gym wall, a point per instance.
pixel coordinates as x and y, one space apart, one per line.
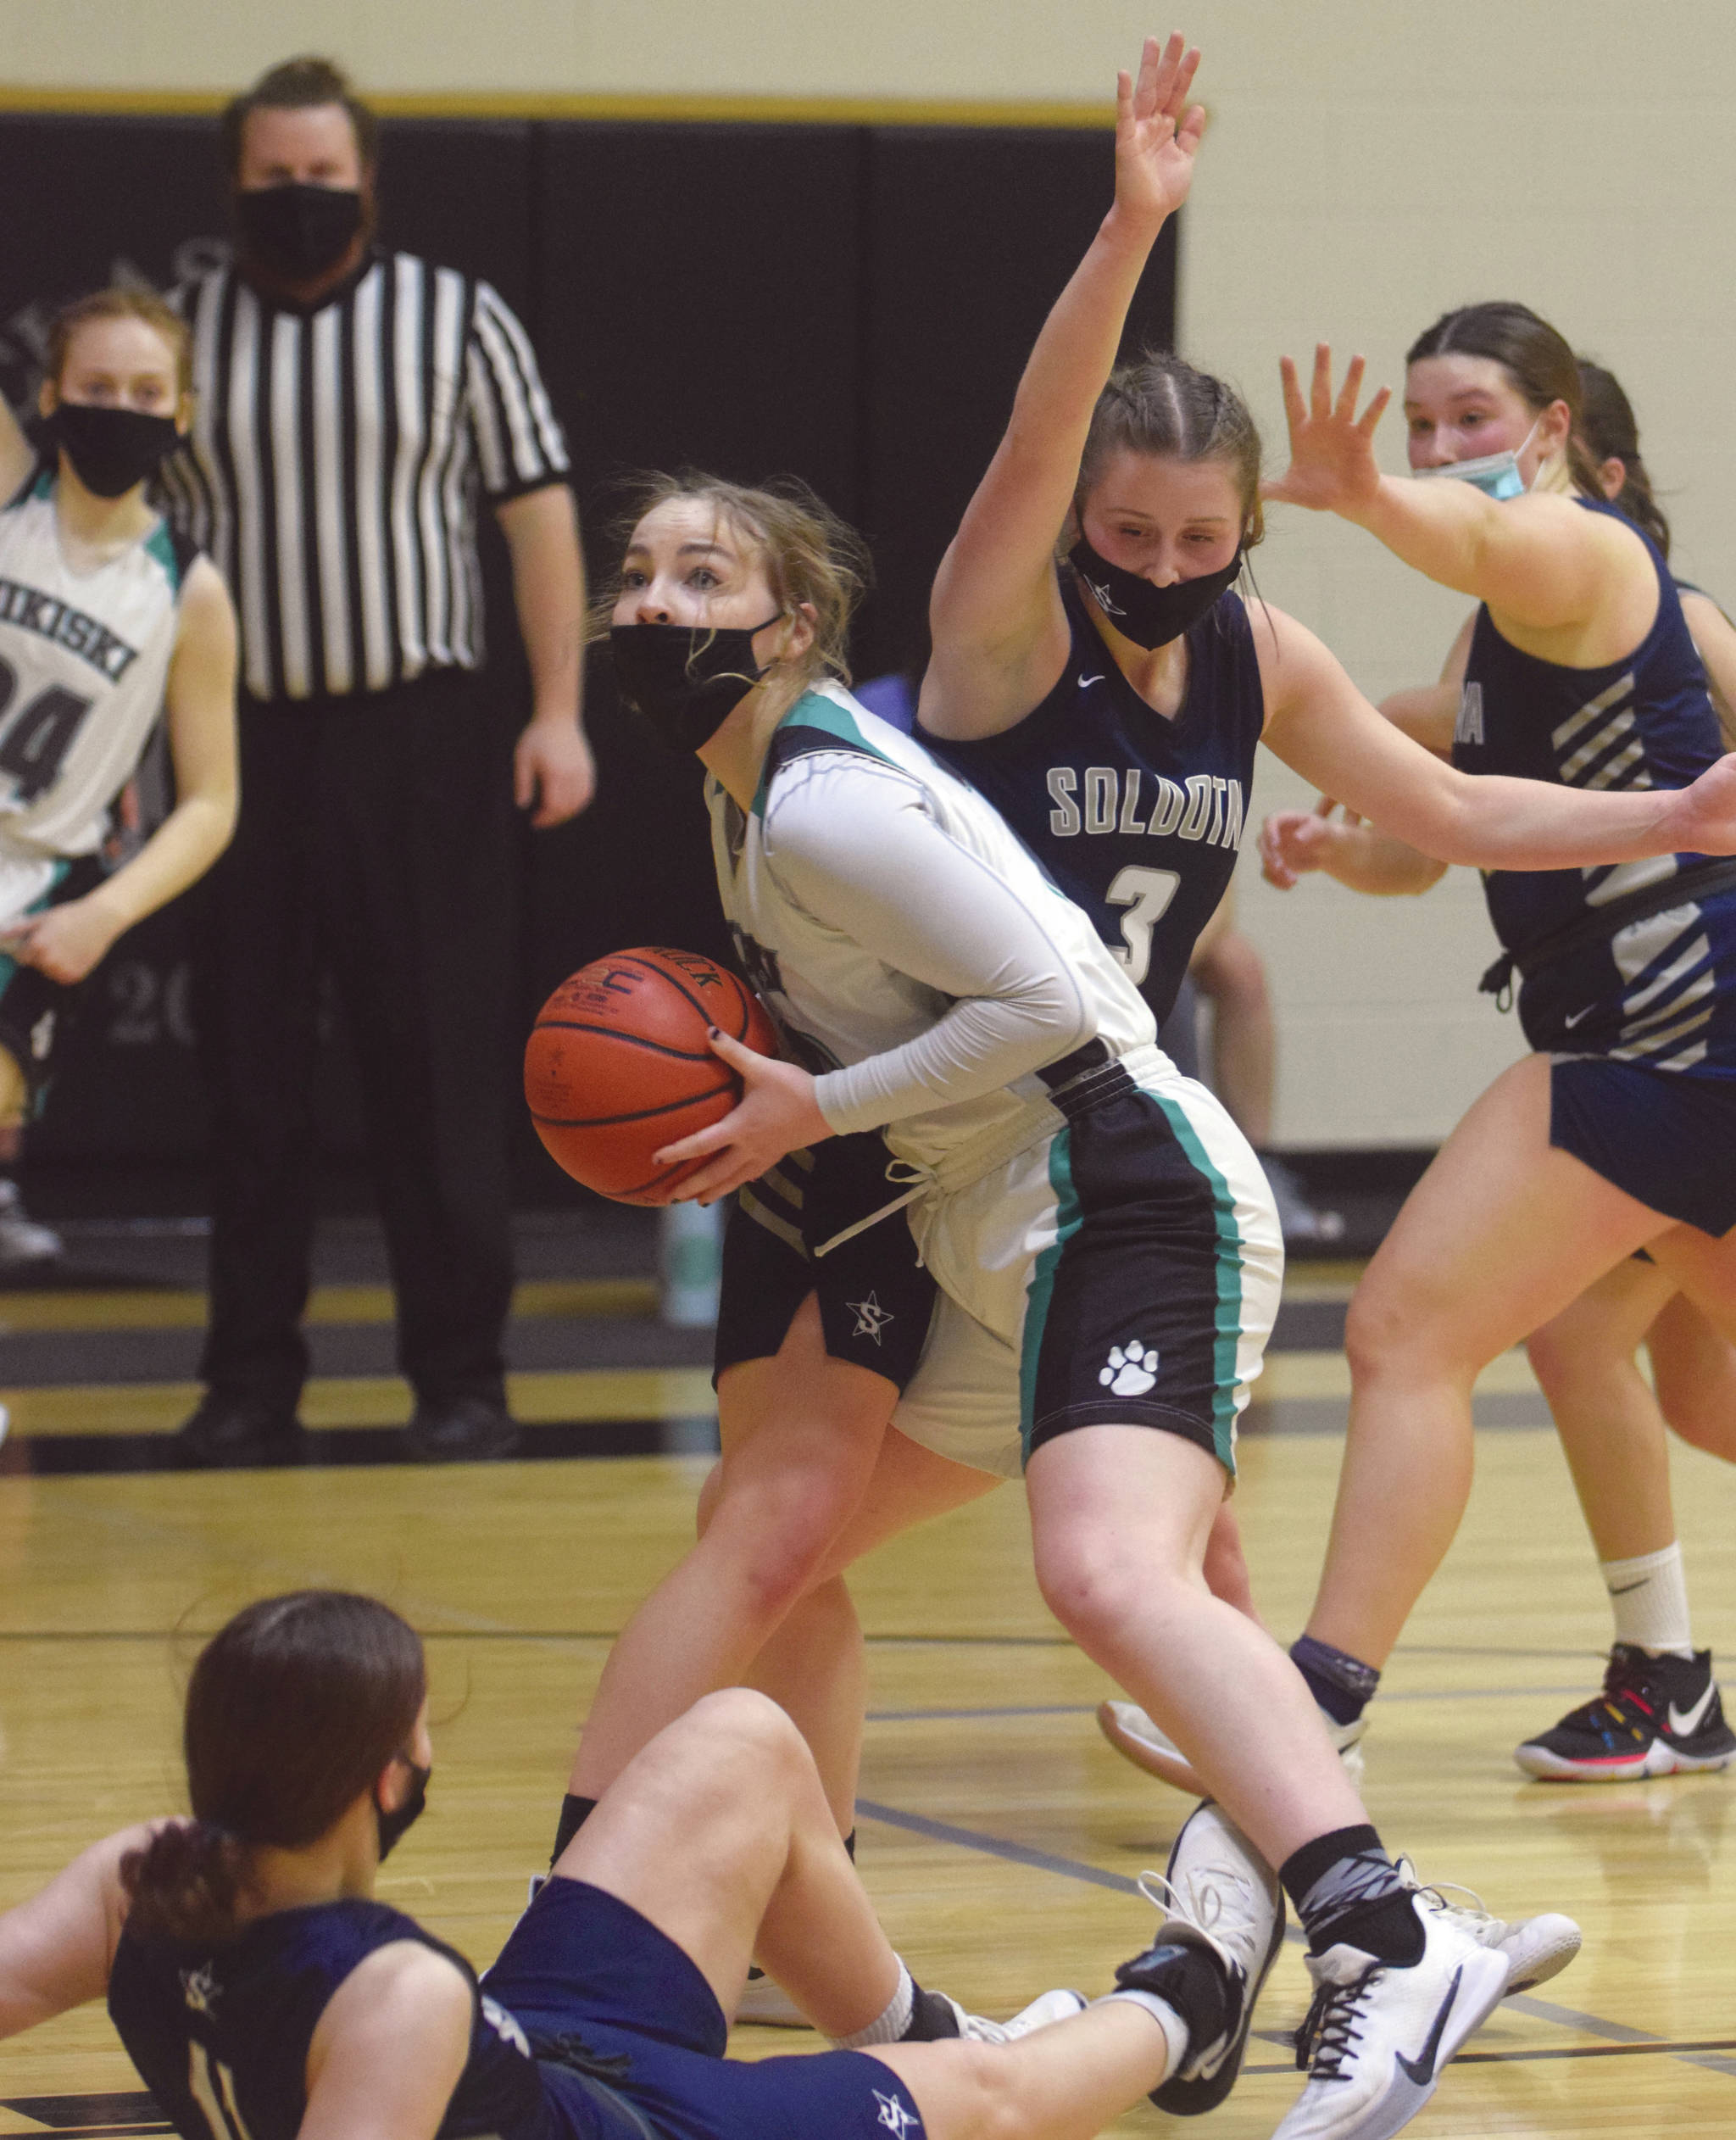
1372 162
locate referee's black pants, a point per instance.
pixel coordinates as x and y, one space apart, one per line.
375 844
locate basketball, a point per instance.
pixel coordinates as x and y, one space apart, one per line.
618 1066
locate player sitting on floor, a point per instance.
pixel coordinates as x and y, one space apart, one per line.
261 1991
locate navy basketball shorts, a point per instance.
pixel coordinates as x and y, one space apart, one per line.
876 1299
36 1013
1125 1270
630 2039
1666 1137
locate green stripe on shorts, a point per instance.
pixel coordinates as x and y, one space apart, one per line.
1229 1281
1040 1292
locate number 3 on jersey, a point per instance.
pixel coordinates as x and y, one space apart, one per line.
1145 894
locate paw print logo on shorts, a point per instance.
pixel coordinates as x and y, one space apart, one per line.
1131 1369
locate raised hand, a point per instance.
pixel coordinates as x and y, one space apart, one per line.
1333 468
1157 131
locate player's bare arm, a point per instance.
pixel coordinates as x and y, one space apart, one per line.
1000 632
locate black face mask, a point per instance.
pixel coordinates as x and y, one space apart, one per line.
683 680
392 1825
111 449
297 232
1150 616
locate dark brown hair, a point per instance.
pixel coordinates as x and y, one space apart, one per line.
814 561
1539 362
1610 432
293 1710
298 85
121 304
1161 405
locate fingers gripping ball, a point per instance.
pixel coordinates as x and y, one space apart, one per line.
617 1066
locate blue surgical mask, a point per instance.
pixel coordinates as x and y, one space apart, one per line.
1496 475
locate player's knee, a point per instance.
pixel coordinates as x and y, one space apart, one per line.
1090 1587
779 1535
1557 1356
1380 1328
742 1739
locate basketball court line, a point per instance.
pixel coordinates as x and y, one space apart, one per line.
179 1308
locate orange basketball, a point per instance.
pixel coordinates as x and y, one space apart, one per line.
617 1066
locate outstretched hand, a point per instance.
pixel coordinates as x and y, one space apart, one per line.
1333 468
1295 843
775 1114
1158 131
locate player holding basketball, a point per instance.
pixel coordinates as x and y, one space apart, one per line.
1504 371
1106 1251
1620 1132
106 622
260 1989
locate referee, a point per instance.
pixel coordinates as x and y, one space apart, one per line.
350 406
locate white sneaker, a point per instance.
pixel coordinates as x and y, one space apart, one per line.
1218 1892
1132 1734
1040 2014
22 1241
1377 2037
1536 1949
765 2004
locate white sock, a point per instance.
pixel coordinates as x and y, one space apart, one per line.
1174 2029
1648 1597
891 2026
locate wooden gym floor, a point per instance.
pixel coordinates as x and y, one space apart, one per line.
999 1836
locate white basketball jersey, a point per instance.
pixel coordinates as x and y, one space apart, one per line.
884 909
84 657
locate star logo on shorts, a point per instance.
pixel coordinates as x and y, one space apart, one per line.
871 1319
200 1987
894 2116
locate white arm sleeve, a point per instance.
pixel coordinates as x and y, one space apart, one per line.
859 850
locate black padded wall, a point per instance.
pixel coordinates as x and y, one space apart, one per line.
850 305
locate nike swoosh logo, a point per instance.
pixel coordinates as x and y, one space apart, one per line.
1627 1587
1571 1023
1420 2069
1685 1727
1085 683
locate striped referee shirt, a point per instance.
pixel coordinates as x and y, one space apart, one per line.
335 462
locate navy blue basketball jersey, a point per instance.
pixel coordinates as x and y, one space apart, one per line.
1659 991
1137 817
220 2034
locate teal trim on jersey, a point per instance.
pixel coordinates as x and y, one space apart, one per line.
44 487
1229 1281
160 544
812 710
1039 1294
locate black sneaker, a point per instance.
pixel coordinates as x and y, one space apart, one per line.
236 1432
460 1431
1223 1926
1657 1716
